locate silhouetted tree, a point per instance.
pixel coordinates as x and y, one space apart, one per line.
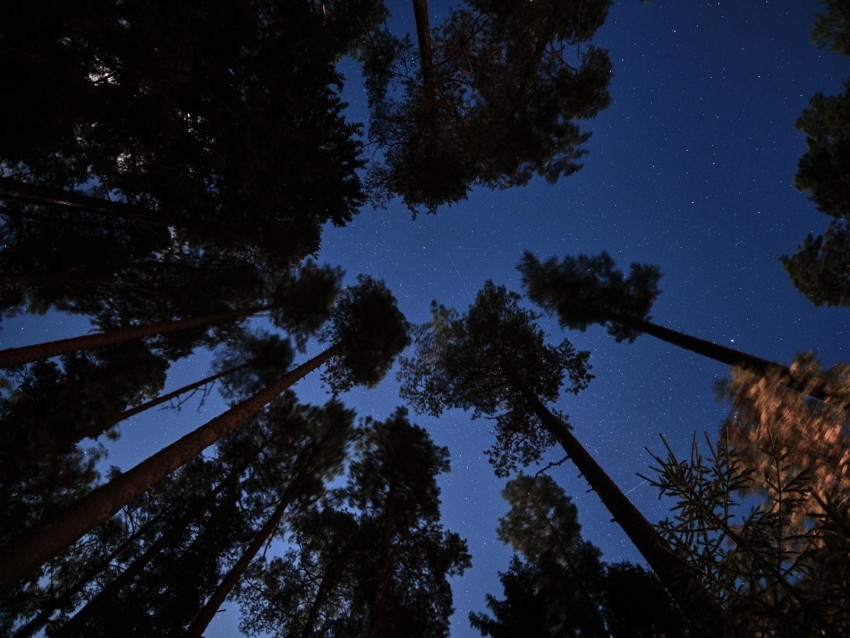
209 130
54 405
496 100
305 447
374 560
368 330
592 290
495 361
561 588
524 611
766 576
819 268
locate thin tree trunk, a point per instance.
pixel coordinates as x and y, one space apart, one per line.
25 354
94 432
67 596
690 595
722 354
58 445
328 578
304 469
376 621
106 595
32 548
423 35
207 612
38 194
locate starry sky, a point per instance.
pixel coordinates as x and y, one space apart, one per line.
689 169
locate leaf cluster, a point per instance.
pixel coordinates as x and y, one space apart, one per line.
481 360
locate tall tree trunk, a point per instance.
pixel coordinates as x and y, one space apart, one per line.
717 352
423 35
304 469
377 622
45 195
106 595
66 597
25 354
722 354
95 431
677 577
32 548
207 612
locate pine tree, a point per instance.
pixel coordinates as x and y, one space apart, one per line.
495 361
368 331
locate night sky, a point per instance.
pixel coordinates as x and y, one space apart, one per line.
690 169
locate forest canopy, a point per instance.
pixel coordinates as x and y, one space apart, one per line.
169 176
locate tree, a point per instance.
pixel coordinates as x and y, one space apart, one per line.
561 588
11 357
819 268
542 525
369 331
307 447
54 406
831 27
374 560
767 578
587 290
766 413
496 99
211 152
524 611
496 361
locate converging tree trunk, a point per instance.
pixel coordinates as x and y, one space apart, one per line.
207 612
106 595
305 468
11 357
32 548
94 432
423 35
674 573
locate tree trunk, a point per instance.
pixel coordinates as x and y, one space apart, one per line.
106 595
722 354
207 612
423 35
25 354
67 596
377 623
147 405
37 194
692 598
32 548
304 469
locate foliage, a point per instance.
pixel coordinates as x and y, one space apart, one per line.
774 409
473 362
263 355
832 27
370 330
587 290
561 588
819 268
371 560
502 105
51 403
253 150
769 577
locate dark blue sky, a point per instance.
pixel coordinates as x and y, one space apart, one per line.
689 169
